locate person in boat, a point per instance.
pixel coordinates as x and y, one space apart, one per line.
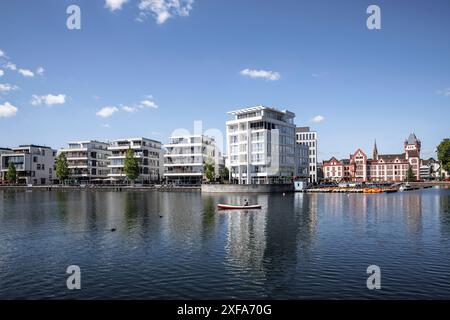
245 203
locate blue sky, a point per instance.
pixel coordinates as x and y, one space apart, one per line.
174 62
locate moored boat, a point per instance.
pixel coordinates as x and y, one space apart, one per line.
372 190
405 187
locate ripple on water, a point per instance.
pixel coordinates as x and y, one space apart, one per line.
172 245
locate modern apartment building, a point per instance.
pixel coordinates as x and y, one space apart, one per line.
88 160
34 164
148 153
305 136
381 167
302 162
3 150
261 145
186 156
430 169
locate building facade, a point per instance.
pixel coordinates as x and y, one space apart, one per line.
305 136
3 150
87 160
430 169
186 156
148 153
302 162
34 164
261 146
380 168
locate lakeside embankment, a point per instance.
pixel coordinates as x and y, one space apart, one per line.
207 188
247 188
101 188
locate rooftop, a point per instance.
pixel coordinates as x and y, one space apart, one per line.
30 146
259 108
136 138
86 141
302 129
412 139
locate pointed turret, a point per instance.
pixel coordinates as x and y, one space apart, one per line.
375 151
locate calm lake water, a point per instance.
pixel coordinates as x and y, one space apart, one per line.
178 246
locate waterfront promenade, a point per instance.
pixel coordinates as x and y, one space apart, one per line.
208 188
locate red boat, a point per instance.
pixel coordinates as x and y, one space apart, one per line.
231 207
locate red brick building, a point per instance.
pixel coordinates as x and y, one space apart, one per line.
388 167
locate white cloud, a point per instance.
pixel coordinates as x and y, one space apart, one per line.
105 125
148 103
40 71
2 72
317 119
322 75
445 92
5 87
7 110
164 9
114 5
11 66
26 72
106 112
268 75
48 99
129 109
2 53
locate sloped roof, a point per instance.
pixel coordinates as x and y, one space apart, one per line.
392 157
412 139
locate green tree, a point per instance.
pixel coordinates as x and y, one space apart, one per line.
11 174
62 168
131 166
410 175
224 174
443 153
209 170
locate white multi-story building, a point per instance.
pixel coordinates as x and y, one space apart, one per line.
87 160
34 164
148 153
261 146
309 138
186 156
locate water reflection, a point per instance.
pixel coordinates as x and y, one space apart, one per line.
444 206
178 245
209 220
246 235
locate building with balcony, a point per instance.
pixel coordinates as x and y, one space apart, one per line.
34 164
148 153
186 156
3 150
430 169
261 146
305 136
88 160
